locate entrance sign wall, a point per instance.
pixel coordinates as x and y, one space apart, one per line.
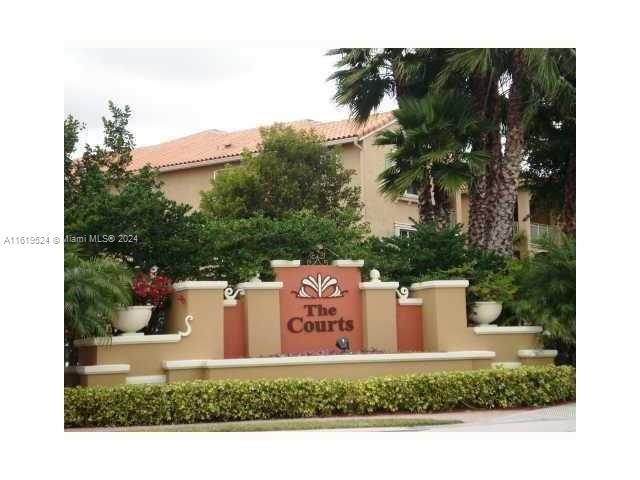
318 305
306 309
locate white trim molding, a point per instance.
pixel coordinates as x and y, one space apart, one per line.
231 302
347 262
127 340
409 198
261 285
200 285
373 132
378 285
400 226
183 364
285 263
537 353
144 379
409 301
200 163
496 330
440 284
99 369
329 359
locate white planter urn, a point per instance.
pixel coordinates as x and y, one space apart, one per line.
131 319
484 313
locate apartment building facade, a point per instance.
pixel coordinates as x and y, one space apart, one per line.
188 165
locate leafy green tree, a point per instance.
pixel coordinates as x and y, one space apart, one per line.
292 171
237 249
148 229
105 163
551 152
432 151
93 291
127 211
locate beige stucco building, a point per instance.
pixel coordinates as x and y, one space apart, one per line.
188 165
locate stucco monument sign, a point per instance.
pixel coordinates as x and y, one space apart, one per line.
318 305
215 331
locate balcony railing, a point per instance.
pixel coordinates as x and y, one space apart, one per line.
539 231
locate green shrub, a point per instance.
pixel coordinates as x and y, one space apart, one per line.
428 254
235 249
233 400
94 289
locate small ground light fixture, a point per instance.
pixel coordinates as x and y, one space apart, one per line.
343 344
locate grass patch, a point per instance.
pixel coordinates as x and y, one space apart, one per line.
300 424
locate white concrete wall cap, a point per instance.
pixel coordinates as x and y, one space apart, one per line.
537 353
346 262
330 359
496 330
440 284
127 340
285 263
261 285
183 364
195 285
146 379
379 285
99 369
409 301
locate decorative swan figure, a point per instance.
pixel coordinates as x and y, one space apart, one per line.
187 320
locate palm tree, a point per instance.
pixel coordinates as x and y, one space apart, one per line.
364 76
505 86
512 83
432 150
93 290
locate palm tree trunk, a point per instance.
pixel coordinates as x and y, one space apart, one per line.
425 202
484 92
505 175
569 204
442 208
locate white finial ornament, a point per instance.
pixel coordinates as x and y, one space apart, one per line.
374 275
256 278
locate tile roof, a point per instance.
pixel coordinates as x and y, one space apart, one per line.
212 145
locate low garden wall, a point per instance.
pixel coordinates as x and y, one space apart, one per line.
222 333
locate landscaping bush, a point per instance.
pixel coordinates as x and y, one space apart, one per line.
427 254
236 249
233 400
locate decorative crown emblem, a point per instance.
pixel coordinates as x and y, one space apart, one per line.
319 287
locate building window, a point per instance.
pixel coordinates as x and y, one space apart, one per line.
221 171
403 229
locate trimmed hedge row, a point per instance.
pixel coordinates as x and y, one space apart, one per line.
228 400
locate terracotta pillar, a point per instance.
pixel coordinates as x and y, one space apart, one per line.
204 302
262 313
444 313
379 314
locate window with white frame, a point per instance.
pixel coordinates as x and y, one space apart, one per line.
410 193
403 229
221 171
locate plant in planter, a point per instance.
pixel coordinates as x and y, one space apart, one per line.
149 291
487 295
